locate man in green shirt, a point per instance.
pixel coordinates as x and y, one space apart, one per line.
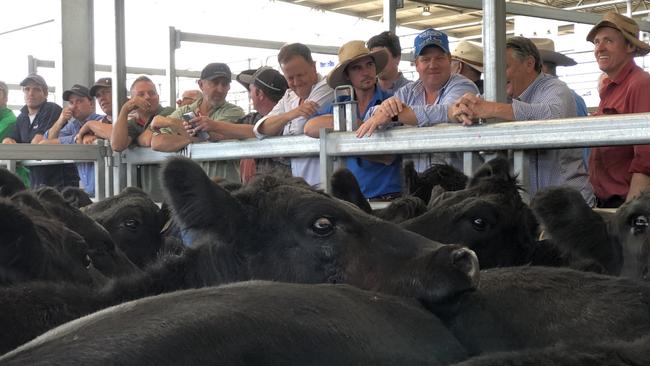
131 129
7 120
211 111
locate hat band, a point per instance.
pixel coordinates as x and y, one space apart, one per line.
268 86
468 61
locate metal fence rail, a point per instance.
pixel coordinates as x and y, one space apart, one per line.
518 136
33 154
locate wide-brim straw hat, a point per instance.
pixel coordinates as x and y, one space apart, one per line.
470 53
546 48
628 28
351 52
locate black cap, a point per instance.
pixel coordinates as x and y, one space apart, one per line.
76 89
216 70
100 83
270 81
34 78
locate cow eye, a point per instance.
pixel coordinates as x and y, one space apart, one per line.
87 262
323 226
639 224
131 223
479 224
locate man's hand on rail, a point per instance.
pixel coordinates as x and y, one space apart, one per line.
379 119
8 140
391 106
88 139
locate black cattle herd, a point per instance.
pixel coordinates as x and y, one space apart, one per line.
280 274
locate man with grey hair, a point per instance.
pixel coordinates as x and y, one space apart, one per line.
535 96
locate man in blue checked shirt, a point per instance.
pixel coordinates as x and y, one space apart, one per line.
80 109
429 100
535 96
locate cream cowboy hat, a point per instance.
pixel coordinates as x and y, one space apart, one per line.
469 53
350 52
546 49
628 28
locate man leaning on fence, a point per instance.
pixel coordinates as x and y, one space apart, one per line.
211 111
619 173
80 110
309 93
426 101
378 175
35 118
535 96
132 129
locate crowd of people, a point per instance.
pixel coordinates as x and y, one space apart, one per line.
300 101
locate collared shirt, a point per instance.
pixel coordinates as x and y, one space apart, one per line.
222 112
86 170
547 97
375 179
225 111
7 121
59 175
137 125
414 96
611 167
321 94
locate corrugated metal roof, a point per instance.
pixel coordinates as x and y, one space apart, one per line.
462 22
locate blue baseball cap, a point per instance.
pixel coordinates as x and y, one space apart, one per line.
430 37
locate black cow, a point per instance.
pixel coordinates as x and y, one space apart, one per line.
35 247
9 183
134 222
610 353
251 323
76 197
345 187
579 234
532 307
488 217
273 230
443 175
106 257
630 228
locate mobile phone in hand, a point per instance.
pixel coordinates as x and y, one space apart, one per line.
201 135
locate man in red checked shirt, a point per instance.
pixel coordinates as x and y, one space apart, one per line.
619 173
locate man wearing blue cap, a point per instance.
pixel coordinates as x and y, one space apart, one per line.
426 101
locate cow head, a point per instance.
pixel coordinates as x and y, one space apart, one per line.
630 227
9 183
488 217
443 175
35 247
280 230
134 222
106 257
578 232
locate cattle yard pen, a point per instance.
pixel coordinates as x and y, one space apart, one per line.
516 136
117 170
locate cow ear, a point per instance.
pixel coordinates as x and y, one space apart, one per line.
198 202
20 246
346 188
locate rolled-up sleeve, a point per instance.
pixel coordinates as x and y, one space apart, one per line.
277 109
431 114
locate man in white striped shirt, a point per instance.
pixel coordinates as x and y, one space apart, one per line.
535 96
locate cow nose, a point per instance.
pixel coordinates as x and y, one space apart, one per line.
466 261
